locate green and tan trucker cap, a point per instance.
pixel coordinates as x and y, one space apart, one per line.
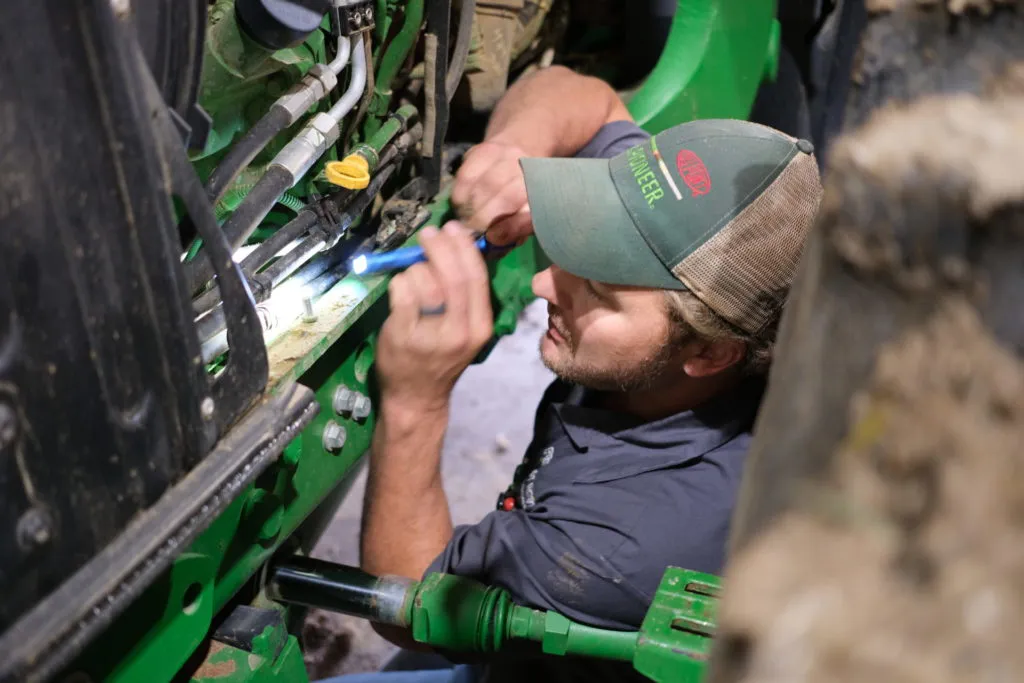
717 207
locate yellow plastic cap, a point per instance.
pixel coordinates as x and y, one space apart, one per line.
352 172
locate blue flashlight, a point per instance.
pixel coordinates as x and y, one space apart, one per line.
397 259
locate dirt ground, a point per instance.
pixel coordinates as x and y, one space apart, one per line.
491 425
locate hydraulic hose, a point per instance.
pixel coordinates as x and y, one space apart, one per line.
284 112
213 323
285 235
245 150
302 151
246 218
457 65
398 48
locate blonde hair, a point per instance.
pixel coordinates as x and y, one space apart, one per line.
694 318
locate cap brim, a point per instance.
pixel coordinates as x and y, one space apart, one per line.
584 228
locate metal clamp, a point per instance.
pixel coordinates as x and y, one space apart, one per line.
356 15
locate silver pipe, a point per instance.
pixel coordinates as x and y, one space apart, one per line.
341 60
316 84
354 92
324 129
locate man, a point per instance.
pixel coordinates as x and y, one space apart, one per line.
672 259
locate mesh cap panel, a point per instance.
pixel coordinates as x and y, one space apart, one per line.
744 272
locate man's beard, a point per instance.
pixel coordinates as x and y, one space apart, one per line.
636 374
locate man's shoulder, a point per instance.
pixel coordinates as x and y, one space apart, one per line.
612 139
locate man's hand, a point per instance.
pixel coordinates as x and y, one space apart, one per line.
490 193
440 319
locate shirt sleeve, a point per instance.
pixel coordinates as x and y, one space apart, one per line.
613 138
544 564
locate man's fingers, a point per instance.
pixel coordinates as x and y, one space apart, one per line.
446 267
492 184
477 161
404 304
476 285
512 229
507 201
425 285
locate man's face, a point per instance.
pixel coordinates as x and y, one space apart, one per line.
608 337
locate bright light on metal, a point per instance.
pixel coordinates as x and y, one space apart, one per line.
359 265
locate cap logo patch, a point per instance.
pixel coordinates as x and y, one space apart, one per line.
694 172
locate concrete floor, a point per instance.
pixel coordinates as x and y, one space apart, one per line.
490 426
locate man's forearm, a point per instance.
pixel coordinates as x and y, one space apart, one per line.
406 522
554 112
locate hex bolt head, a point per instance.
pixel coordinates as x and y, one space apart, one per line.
8 424
361 407
334 437
206 408
343 400
33 529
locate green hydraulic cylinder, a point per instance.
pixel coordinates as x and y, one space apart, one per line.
457 614
444 611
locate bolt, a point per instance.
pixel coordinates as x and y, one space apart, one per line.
308 316
206 408
344 399
361 407
8 424
334 437
33 529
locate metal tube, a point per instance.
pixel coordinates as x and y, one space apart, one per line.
355 88
341 59
339 588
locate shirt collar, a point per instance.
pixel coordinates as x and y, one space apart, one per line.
667 442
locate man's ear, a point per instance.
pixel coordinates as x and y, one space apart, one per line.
714 357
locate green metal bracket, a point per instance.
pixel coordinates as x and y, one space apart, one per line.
227 664
675 637
718 53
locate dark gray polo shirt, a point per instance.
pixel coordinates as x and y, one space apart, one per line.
603 502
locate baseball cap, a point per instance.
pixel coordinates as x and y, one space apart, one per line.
717 207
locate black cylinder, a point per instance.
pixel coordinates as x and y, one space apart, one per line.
277 24
340 588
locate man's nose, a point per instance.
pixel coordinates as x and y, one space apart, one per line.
544 284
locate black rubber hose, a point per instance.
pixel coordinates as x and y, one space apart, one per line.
213 322
244 151
457 65
286 234
243 222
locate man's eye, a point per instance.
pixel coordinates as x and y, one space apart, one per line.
593 289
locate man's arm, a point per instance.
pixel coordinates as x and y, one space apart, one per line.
554 112
406 522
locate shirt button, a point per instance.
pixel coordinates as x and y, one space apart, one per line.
508 504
